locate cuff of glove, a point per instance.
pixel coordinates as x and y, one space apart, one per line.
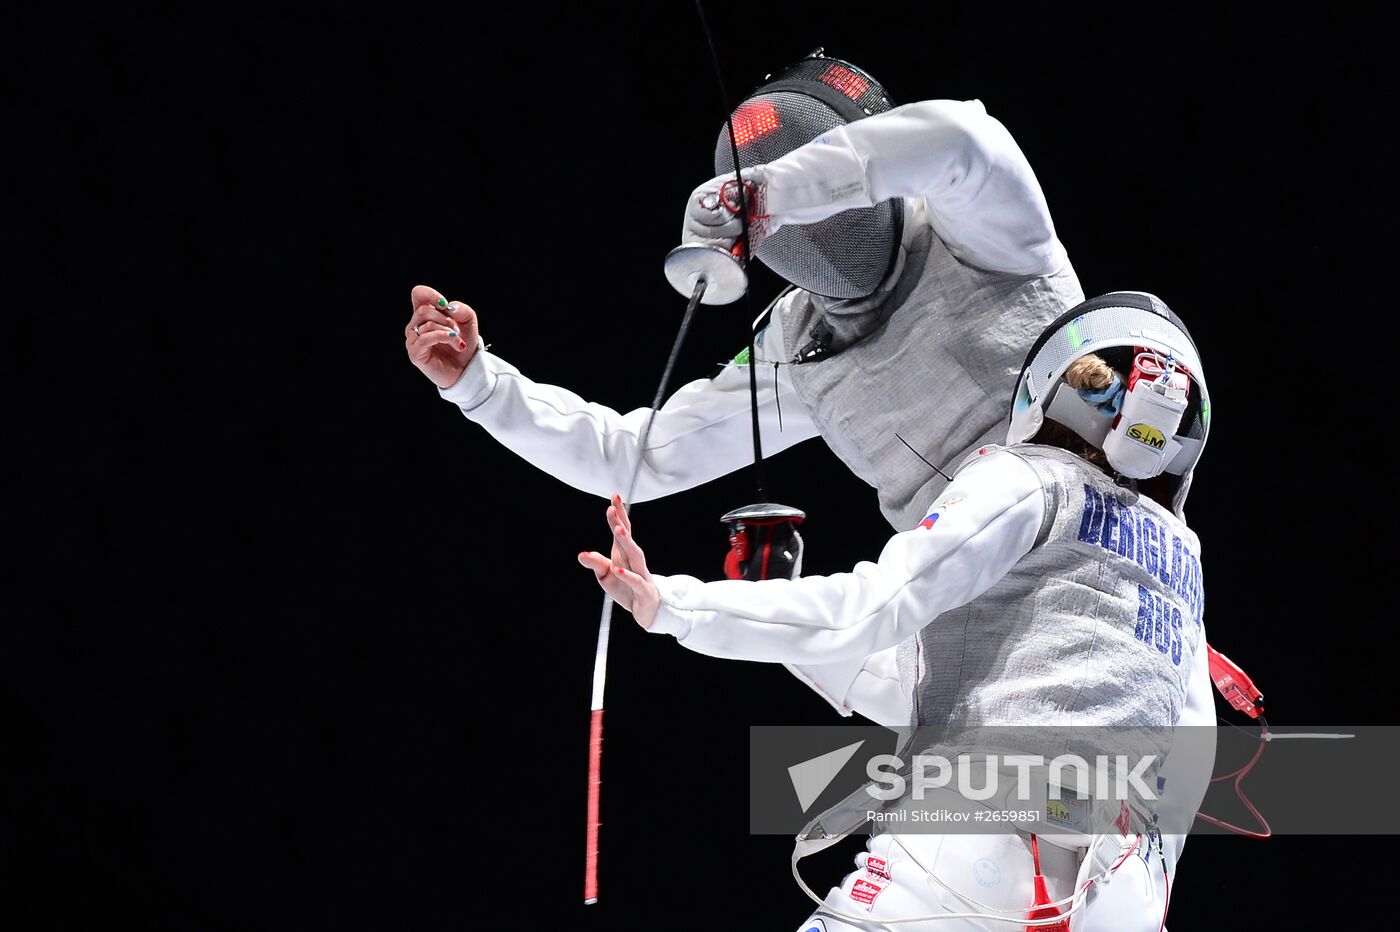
475 384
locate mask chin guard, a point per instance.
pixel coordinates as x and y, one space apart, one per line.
1067 407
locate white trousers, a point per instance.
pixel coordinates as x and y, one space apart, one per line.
895 878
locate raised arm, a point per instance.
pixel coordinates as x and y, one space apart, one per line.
983 198
701 432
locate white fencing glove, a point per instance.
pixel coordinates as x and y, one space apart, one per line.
712 211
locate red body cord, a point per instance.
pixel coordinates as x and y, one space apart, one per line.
1040 905
1239 776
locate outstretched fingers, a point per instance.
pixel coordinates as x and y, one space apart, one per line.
628 580
611 582
632 556
638 585
621 509
595 561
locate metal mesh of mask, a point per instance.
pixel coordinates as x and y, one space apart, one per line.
848 254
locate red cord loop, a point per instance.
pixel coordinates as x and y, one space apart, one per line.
729 197
1239 776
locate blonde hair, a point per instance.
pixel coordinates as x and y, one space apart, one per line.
1093 373
1088 372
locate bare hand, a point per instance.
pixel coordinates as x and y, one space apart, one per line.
441 338
625 576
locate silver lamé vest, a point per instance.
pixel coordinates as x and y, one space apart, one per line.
1096 625
940 370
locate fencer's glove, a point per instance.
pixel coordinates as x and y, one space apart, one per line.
712 212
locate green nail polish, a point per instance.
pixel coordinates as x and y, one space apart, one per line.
442 302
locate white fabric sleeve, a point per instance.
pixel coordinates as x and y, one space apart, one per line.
848 616
869 686
703 431
983 199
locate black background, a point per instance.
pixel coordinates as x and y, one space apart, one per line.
293 645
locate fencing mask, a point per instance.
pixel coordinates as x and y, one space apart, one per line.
1154 423
848 254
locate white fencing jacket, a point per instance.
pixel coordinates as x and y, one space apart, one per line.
981 199
972 185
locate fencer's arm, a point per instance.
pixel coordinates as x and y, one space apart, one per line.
701 432
869 686
848 616
984 200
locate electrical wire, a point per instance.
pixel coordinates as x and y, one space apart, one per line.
1239 776
742 192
